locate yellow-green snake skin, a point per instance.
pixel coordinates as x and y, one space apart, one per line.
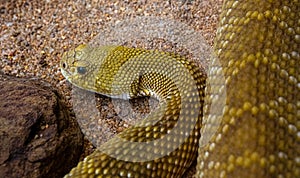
258 45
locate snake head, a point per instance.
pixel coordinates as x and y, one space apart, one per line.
92 68
71 63
76 67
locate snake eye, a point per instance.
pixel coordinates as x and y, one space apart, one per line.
81 70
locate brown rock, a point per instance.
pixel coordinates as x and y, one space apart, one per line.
38 138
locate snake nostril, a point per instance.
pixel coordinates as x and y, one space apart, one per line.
64 65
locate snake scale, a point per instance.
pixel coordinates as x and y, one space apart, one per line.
258 46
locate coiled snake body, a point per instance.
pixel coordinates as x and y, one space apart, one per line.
258 45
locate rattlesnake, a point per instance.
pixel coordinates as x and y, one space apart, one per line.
258 45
